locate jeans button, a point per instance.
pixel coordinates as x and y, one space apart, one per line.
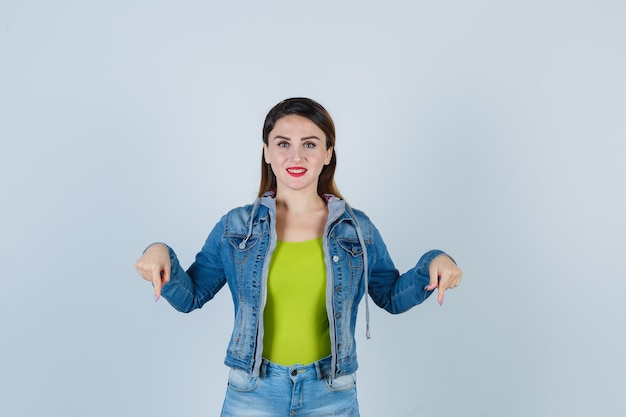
294 373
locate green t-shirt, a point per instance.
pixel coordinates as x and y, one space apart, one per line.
296 322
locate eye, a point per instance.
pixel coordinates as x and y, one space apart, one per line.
283 144
309 145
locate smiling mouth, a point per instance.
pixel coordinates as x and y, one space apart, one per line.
296 171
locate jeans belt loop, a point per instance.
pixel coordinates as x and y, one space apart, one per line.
263 368
322 368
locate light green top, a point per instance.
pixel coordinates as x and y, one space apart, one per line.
295 318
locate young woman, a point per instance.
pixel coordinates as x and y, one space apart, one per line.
297 262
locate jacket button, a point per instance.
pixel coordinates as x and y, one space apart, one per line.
336 258
338 315
338 288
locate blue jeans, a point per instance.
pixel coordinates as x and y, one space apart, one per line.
290 391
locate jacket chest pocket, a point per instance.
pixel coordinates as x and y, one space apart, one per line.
352 252
242 248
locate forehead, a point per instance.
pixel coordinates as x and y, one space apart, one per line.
297 126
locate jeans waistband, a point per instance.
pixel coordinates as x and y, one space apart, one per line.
321 368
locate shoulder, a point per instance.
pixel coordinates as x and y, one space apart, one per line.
239 212
240 217
353 222
356 215
360 216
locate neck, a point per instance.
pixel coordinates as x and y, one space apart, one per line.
299 201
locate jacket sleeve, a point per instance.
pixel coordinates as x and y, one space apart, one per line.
191 289
391 290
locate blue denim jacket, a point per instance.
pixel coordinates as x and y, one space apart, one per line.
238 252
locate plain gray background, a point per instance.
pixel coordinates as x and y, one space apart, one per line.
494 130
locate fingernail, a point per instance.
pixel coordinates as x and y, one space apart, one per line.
156 298
440 302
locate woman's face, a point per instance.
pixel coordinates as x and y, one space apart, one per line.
296 151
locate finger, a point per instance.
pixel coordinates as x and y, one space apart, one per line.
455 282
454 279
445 282
140 270
458 278
440 293
144 271
156 282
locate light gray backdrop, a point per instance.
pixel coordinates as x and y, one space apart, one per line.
495 130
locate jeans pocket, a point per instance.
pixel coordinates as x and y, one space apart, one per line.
342 383
241 381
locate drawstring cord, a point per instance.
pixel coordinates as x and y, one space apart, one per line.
359 234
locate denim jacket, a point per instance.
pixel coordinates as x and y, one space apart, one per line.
238 252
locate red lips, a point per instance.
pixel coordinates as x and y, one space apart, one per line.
296 171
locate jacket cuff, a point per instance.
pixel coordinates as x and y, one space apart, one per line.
157 243
429 256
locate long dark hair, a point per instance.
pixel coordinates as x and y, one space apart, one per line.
313 111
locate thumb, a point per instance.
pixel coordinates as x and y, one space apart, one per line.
157 282
434 279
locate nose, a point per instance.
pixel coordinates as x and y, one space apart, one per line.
295 153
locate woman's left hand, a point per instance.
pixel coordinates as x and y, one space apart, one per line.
444 274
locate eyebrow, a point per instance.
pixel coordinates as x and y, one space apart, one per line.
304 138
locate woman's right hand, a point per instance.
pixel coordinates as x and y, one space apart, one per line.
154 266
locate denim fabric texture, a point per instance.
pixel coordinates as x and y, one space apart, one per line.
238 250
283 391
